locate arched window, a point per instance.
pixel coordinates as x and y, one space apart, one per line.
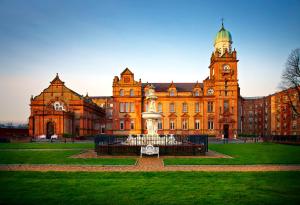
184 124
121 92
160 107
197 124
197 93
131 92
172 125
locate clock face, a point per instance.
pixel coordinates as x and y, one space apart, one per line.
210 91
226 68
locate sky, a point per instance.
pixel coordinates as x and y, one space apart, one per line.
89 42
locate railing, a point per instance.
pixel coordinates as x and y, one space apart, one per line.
285 139
169 145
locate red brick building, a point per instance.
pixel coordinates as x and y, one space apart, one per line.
212 107
59 110
271 115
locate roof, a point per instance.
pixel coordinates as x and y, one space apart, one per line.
100 97
223 35
253 98
127 71
181 87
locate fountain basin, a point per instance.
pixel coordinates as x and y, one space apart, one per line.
151 115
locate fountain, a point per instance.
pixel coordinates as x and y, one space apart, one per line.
151 116
168 145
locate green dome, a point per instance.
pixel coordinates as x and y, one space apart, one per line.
223 35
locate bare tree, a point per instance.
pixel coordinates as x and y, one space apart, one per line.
290 80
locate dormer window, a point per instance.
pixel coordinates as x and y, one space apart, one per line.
197 93
121 92
172 93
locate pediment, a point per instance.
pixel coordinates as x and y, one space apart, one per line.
172 115
185 115
126 72
197 115
172 85
57 81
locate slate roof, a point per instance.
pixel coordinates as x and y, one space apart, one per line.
100 97
181 87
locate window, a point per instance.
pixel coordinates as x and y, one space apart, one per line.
122 125
172 93
121 107
159 125
210 125
146 107
109 113
160 107
131 92
197 107
132 124
127 108
102 129
184 124
184 107
294 125
132 107
197 93
197 124
210 106
294 115
172 107
172 125
226 106
121 92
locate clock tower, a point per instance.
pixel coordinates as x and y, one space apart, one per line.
224 76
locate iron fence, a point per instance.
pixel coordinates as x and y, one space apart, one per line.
169 145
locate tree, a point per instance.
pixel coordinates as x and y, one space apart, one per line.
290 80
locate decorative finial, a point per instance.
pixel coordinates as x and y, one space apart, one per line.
56 74
222 19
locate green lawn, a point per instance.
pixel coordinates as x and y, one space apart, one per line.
47 145
256 153
150 188
55 157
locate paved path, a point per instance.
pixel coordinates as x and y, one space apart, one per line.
151 164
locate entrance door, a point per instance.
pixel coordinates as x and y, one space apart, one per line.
226 131
50 129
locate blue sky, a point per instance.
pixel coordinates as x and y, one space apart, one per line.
89 42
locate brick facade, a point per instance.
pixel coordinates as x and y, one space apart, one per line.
59 110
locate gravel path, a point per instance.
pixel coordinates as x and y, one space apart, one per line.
148 164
